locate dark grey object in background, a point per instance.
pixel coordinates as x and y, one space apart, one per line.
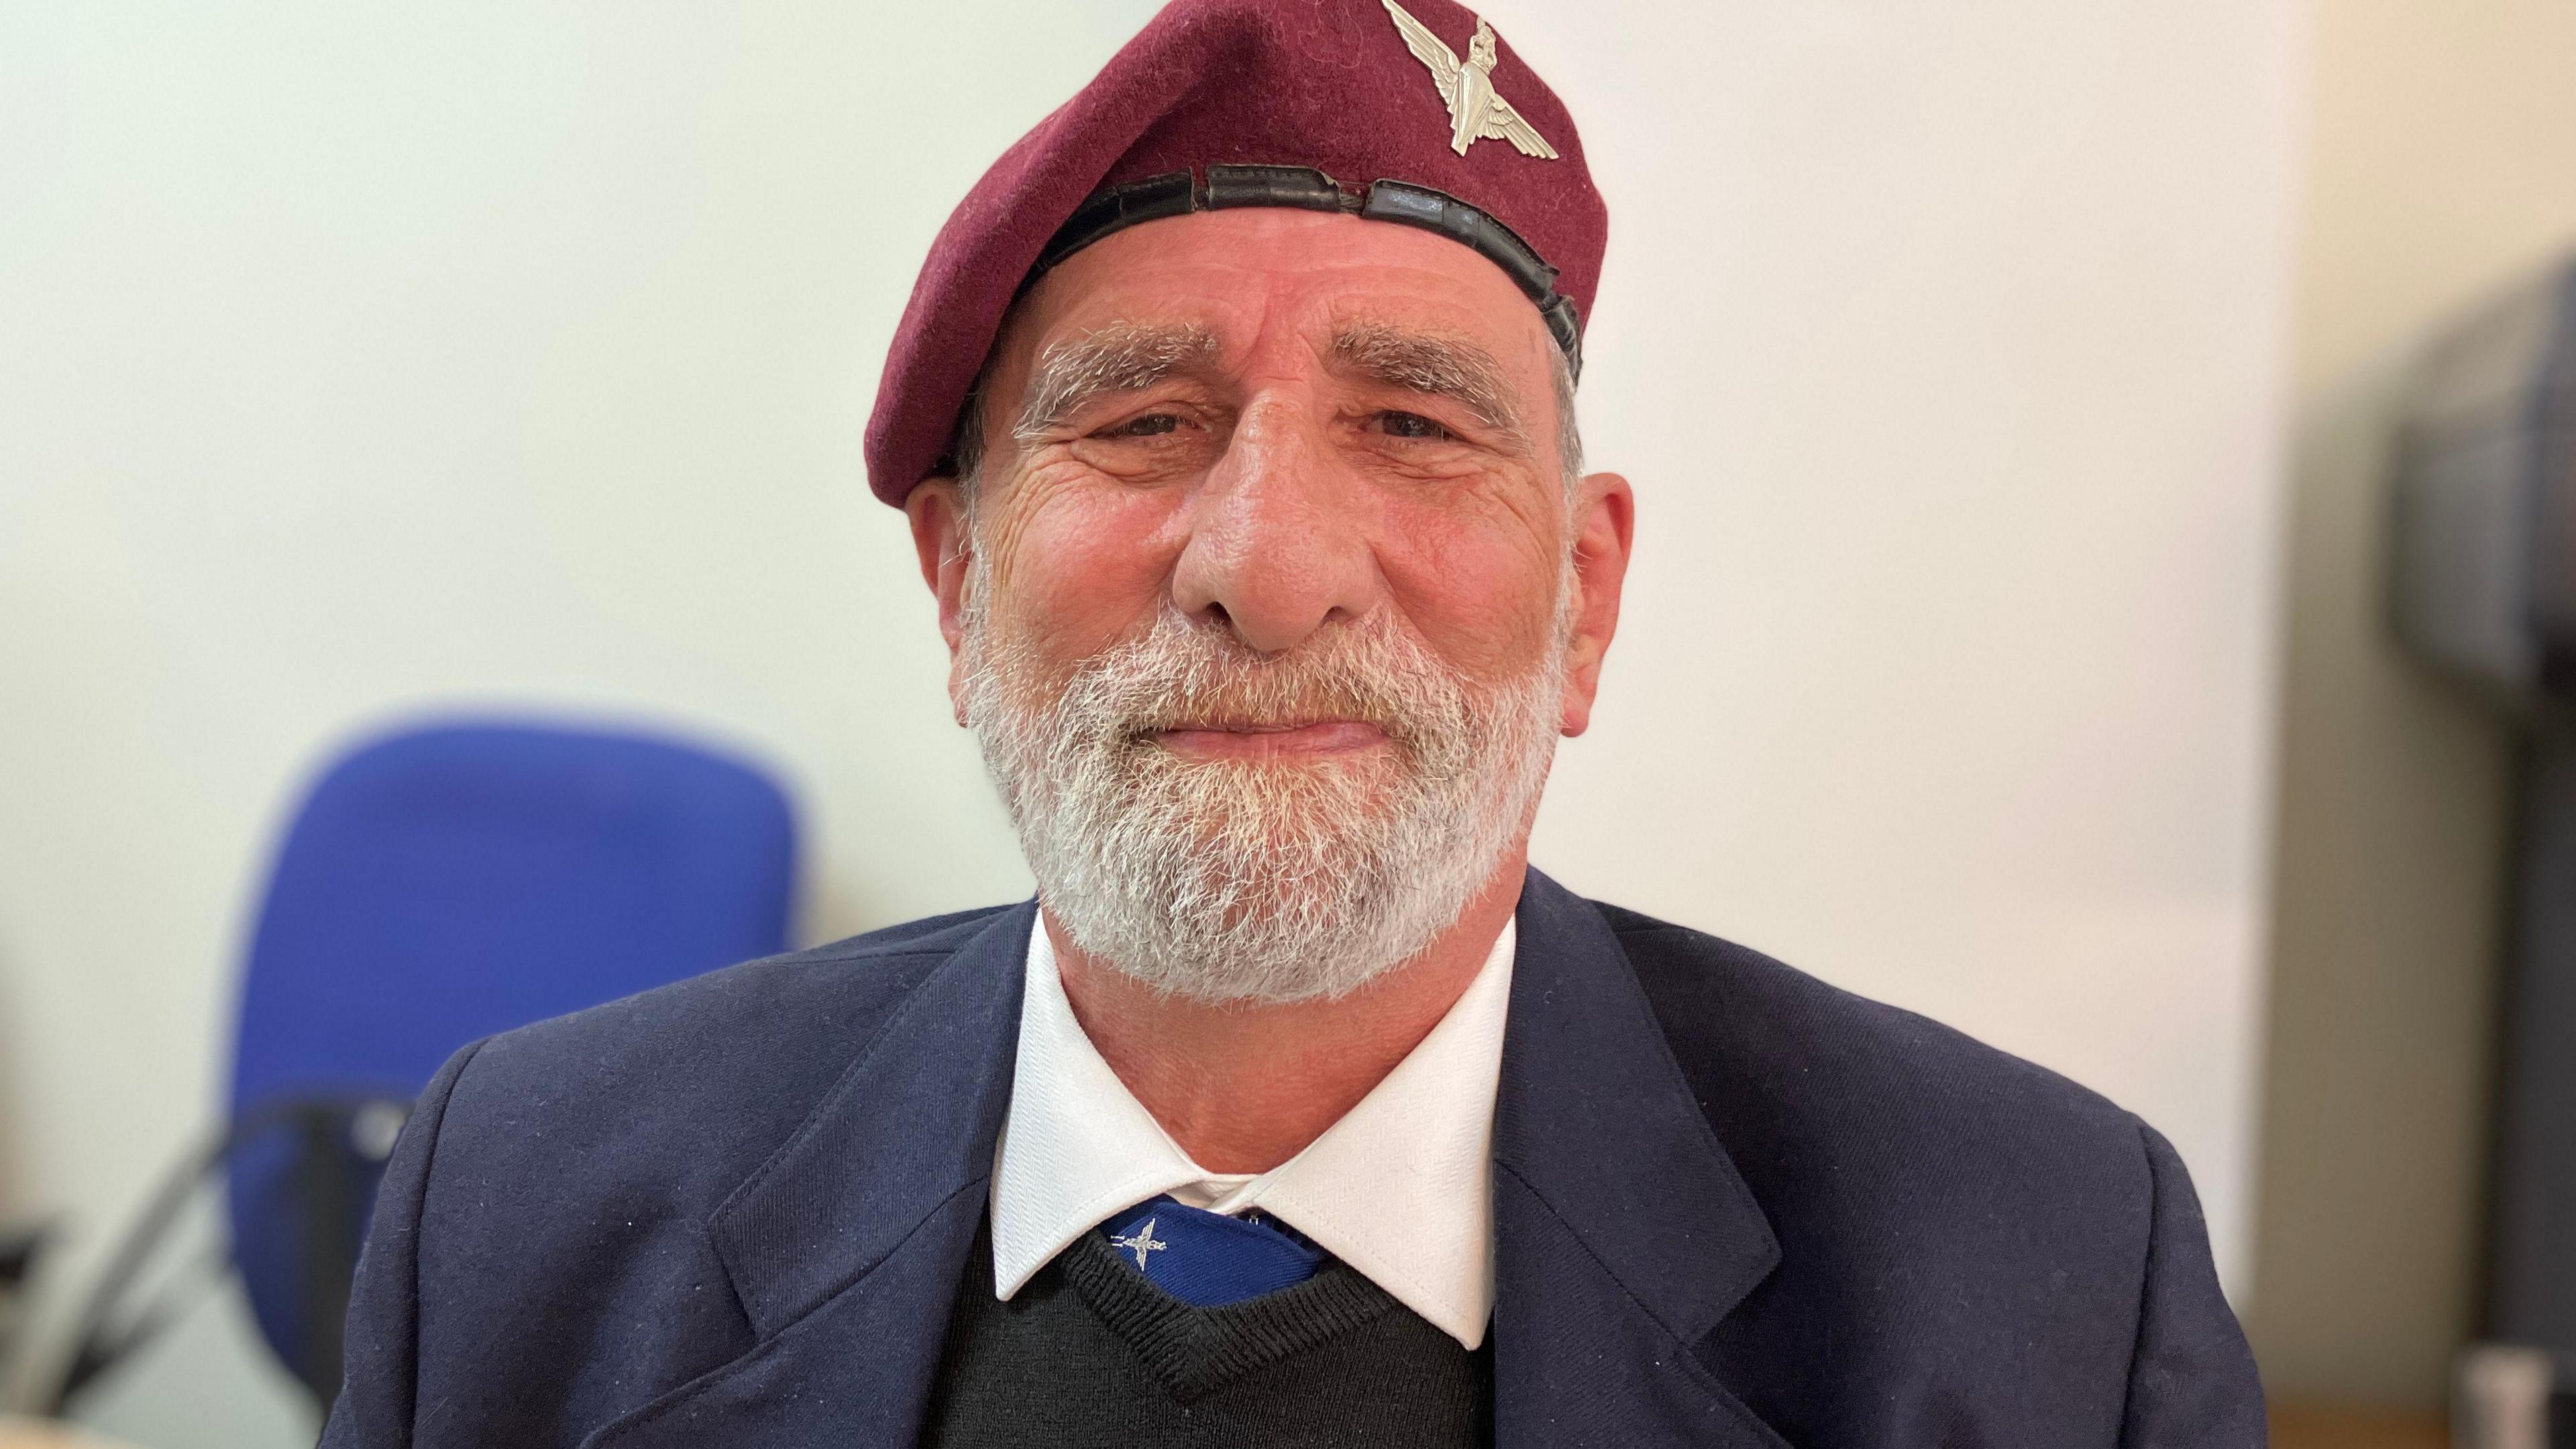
2485 576
2531 1291
2484 586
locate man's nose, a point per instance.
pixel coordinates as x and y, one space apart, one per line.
1276 547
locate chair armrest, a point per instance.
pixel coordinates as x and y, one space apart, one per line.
20 1245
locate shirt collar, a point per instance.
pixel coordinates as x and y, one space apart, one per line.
1401 1188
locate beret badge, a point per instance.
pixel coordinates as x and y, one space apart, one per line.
1477 112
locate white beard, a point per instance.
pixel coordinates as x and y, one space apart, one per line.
1250 880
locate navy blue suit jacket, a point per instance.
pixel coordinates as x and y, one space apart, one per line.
1732 1206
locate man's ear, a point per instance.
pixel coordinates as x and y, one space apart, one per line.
936 508
1605 526
937 511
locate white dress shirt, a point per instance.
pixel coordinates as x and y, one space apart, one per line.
1401 1188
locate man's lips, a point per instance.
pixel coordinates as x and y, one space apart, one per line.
1270 742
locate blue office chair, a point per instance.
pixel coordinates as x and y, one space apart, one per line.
439 885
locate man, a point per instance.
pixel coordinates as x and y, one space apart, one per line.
1233 418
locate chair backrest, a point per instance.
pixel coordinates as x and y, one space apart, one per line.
448 882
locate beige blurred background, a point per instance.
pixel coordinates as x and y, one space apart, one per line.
2003 382
2441 166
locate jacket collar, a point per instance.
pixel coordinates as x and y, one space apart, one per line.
846 1247
1622 1231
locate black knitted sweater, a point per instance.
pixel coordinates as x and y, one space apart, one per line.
1091 1354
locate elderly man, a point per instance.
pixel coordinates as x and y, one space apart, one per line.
1233 417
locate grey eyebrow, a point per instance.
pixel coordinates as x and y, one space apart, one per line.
1121 357
1433 364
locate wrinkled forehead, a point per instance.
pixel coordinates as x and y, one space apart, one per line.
1259 284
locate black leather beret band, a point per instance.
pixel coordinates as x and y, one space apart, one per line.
1177 193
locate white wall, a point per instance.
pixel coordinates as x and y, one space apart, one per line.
508 354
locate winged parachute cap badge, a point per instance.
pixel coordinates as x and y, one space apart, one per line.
1476 111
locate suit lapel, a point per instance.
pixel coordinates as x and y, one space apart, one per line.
1622 1231
847 1247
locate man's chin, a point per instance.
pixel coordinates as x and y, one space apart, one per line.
1282 812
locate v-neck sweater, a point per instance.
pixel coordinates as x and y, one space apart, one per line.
1089 1353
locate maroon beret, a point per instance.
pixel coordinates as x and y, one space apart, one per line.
1411 113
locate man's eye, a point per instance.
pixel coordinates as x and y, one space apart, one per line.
1410 425
1151 425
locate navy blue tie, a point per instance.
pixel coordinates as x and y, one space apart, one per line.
1207 1259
